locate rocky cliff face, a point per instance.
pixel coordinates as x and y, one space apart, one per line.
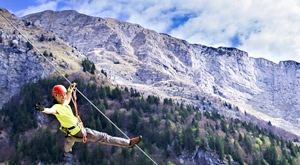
20 63
150 62
169 67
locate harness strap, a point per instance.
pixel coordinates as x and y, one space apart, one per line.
84 138
69 128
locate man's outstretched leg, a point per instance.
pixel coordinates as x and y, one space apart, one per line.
104 138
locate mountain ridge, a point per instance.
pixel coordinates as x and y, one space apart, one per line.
228 73
215 79
159 64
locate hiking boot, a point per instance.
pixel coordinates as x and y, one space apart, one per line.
134 141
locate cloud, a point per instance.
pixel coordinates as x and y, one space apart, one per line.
260 27
263 29
51 5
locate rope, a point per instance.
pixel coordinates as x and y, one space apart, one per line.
74 98
50 62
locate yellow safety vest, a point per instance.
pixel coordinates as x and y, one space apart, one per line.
67 119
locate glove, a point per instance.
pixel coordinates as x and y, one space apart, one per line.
72 86
39 107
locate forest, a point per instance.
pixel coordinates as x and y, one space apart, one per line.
169 129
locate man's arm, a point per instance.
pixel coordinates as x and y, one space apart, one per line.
68 97
51 110
41 108
69 93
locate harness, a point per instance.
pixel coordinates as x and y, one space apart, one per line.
66 130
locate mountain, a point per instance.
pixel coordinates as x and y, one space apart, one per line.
211 80
162 65
21 63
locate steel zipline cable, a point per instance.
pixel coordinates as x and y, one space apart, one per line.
51 63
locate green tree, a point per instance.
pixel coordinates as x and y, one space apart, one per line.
88 66
220 147
237 156
271 155
224 127
42 38
45 53
116 93
248 144
29 46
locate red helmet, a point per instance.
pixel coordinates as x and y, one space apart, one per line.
58 89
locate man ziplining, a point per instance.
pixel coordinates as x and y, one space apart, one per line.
72 125
75 133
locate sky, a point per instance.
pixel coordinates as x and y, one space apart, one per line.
263 28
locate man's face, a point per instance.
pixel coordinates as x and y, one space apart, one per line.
61 98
